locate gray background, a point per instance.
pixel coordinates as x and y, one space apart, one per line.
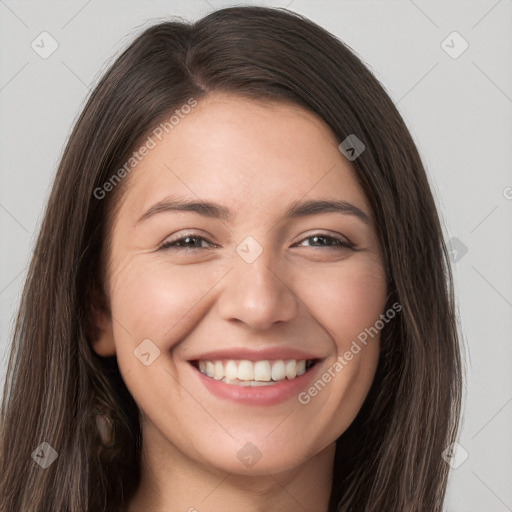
458 111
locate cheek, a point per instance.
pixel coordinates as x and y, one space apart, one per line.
159 301
347 299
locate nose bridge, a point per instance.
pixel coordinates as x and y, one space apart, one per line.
254 292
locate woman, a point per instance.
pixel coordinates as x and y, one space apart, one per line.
240 297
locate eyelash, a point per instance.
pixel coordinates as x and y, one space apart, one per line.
339 242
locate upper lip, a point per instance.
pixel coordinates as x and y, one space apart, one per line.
254 355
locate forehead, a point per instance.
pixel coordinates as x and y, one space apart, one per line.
245 152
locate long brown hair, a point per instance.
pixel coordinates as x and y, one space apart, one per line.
389 459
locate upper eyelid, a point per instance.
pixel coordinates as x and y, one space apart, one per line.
327 235
180 238
191 234
341 238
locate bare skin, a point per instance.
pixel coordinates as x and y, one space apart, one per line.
301 292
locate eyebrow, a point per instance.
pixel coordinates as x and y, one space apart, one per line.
217 211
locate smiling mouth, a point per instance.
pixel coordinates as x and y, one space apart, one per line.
242 372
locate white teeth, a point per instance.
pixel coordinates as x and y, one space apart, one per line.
291 369
245 370
262 371
218 370
231 370
229 381
278 370
253 373
247 383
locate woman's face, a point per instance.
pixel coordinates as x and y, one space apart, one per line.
244 290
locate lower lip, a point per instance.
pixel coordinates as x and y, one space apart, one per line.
259 395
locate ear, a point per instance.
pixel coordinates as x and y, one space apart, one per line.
100 322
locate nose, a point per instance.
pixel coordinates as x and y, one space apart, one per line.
256 294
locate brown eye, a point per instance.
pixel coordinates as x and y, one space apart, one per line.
188 242
332 242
